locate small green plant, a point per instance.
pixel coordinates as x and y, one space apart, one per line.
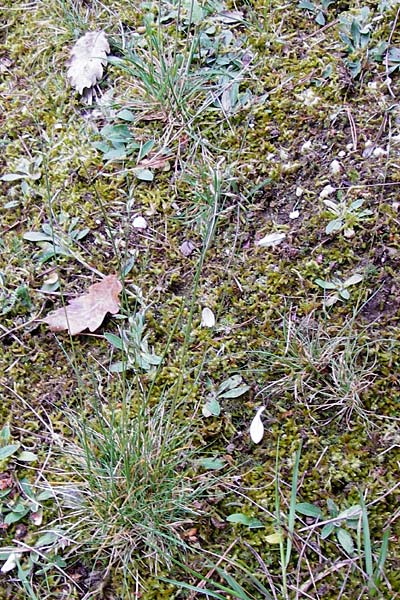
21 506
355 32
132 341
57 239
346 216
334 522
233 387
14 300
317 9
357 544
119 144
338 287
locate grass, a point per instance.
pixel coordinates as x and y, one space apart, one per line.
324 366
232 118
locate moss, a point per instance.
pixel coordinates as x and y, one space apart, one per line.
247 287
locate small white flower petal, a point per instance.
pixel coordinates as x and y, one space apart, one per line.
294 214
257 427
271 239
327 191
299 191
306 147
10 563
207 318
139 223
335 167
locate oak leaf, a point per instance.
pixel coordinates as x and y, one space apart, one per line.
88 310
88 57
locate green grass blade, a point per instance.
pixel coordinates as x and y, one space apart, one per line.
292 507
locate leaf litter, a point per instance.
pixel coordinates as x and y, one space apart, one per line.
88 310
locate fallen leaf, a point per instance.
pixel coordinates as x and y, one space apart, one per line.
88 310
257 427
88 57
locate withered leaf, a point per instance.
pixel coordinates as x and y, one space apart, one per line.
88 310
88 57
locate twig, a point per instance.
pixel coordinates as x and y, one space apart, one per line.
213 569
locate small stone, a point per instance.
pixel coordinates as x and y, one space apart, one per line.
187 247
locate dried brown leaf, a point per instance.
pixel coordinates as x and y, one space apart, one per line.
88 57
88 310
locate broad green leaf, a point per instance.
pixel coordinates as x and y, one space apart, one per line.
333 509
325 285
27 456
81 234
327 530
114 340
116 133
351 513
212 464
9 450
320 18
126 115
229 383
101 146
37 236
241 519
45 495
356 278
309 510
128 265
115 154
235 392
345 540
356 204
5 434
14 517
212 408
345 294
47 539
12 176
120 367
333 226
144 174
145 149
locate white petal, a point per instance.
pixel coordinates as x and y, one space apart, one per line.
10 563
294 214
256 427
139 223
327 191
271 239
335 167
207 318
